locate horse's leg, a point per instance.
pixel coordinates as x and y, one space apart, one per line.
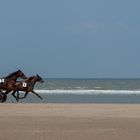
1 96
37 95
18 94
4 96
13 94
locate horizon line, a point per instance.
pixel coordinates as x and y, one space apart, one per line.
92 77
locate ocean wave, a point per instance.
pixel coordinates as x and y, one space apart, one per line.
90 92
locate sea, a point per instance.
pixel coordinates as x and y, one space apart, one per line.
82 90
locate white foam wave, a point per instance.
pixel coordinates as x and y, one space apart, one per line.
90 92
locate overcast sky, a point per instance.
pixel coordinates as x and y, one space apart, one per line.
70 38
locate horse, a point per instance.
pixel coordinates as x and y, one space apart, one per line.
8 83
27 86
2 97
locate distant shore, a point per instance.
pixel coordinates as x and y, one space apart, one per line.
69 121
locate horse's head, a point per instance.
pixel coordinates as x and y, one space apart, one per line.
39 79
20 74
16 74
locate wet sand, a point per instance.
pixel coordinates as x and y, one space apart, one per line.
69 122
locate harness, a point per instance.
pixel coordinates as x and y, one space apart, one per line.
2 81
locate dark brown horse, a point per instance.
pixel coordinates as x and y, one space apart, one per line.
8 83
27 86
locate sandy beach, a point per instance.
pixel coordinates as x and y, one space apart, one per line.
69 122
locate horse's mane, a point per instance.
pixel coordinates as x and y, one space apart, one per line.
11 74
30 78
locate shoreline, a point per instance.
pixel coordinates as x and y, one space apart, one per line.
79 99
69 121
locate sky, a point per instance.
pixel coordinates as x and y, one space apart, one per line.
70 38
